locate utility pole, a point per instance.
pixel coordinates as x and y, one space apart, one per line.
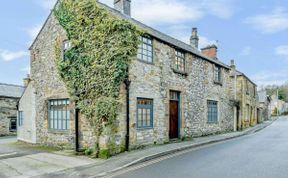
277 102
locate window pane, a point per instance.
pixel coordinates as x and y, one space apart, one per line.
144 110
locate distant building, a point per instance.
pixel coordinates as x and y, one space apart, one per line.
9 96
265 106
279 105
245 98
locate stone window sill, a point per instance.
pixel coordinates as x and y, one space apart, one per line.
58 131
218 83
146 62
144 128
180 72
213 122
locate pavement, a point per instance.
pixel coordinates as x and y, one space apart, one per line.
18 160
129 159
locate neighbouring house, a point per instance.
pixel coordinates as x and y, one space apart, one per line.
278 106
176 91
245 98
265 106
9 97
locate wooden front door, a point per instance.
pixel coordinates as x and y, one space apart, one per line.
174 117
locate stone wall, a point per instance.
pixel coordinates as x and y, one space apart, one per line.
48 85
8 111
155 81
248 115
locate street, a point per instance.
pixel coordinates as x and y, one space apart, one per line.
260 155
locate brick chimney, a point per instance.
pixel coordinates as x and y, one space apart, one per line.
194 39
210 51
124 6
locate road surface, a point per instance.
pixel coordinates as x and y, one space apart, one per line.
260 155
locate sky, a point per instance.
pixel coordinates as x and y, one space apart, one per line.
253 33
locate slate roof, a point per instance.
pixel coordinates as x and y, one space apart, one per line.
156 34
242 74
9 90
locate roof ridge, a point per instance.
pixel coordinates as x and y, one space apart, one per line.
14 85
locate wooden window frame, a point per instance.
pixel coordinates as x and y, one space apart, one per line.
20 118
180 61
145 50
212 111
53 115
149 124
217 72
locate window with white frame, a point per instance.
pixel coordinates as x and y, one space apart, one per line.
179 60
144 113
65 46
212 111
145 49
20 118
217 74
59 115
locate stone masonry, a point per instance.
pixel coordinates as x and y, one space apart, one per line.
148 80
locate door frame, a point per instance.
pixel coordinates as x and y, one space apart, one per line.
179 110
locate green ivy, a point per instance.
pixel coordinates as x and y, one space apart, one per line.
103 46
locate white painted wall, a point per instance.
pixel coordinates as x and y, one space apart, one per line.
27 132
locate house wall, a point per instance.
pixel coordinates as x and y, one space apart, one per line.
155 81
8 110
27 131
248 115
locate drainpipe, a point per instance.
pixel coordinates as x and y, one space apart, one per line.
76 127
127 84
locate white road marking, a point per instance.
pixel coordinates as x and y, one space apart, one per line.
7 154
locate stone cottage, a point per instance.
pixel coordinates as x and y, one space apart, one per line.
9 97
245 98
174 91
265 105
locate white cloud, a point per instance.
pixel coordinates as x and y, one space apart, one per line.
221 8
272 22
271 77
26 69
246 51
153 12
204 42
282 51
7 55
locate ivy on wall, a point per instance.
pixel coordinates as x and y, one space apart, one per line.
103 46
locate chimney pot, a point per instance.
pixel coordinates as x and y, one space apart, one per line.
194 39
124 6
232 64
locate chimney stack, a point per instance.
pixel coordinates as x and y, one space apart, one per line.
124 6
210 51
194 39
232 64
